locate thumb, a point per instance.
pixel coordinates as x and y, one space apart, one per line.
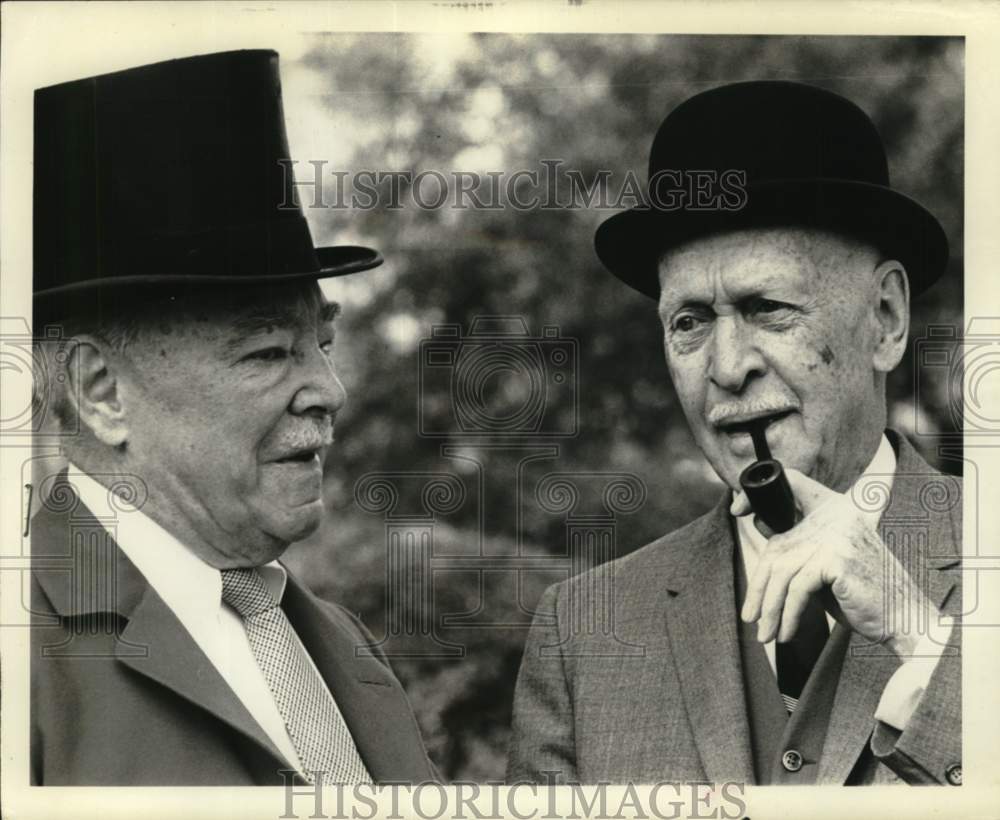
809 493
740 505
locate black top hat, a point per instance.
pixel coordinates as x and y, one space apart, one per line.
170 173
810 157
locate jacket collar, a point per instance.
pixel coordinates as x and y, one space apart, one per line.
700 586
155 644
59 532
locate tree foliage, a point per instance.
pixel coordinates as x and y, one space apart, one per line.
499 102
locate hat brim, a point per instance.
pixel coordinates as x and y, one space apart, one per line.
338 260
630 243
94 296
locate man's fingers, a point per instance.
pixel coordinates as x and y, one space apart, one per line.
800 590
761 579
741 505
782 574
755 592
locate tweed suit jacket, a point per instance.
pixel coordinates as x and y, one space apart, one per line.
632 671
122 695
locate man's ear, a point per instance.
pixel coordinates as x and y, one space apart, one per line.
93 390
892 314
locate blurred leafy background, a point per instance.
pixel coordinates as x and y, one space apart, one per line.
499 102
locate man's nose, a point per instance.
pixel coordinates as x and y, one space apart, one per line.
321 393
736 359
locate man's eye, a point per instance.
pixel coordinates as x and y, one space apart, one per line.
770 306
268 354
327 347
685 323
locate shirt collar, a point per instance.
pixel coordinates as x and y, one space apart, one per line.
180 577
875 482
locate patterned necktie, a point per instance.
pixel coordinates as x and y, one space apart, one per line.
795 659
315 725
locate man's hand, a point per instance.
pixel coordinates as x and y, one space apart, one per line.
834 552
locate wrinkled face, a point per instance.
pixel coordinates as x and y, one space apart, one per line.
230 413
779 325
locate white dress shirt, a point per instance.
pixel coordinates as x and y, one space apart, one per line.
907 684
193 591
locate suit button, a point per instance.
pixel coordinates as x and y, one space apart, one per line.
954 774
791 760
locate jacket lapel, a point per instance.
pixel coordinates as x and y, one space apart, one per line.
919 520
701 622
176 662
369 697
153 642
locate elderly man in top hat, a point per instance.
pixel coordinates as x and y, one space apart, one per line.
826 652
194 384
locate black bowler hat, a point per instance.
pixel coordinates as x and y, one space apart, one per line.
170 174
811 158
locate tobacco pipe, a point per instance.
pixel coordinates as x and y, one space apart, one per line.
766 485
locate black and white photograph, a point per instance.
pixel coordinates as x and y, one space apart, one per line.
461 409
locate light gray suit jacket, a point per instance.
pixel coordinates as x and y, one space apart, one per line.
632 671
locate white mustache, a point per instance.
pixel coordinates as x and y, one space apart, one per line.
308 438
725 413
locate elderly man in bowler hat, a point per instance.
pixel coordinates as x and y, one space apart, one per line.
823 653
194 383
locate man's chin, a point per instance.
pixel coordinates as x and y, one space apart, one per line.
297 523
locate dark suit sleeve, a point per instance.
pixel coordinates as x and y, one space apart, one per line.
929 751
542 747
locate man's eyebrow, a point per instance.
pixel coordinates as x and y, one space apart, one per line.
673 298
275 318
328 311
261 321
